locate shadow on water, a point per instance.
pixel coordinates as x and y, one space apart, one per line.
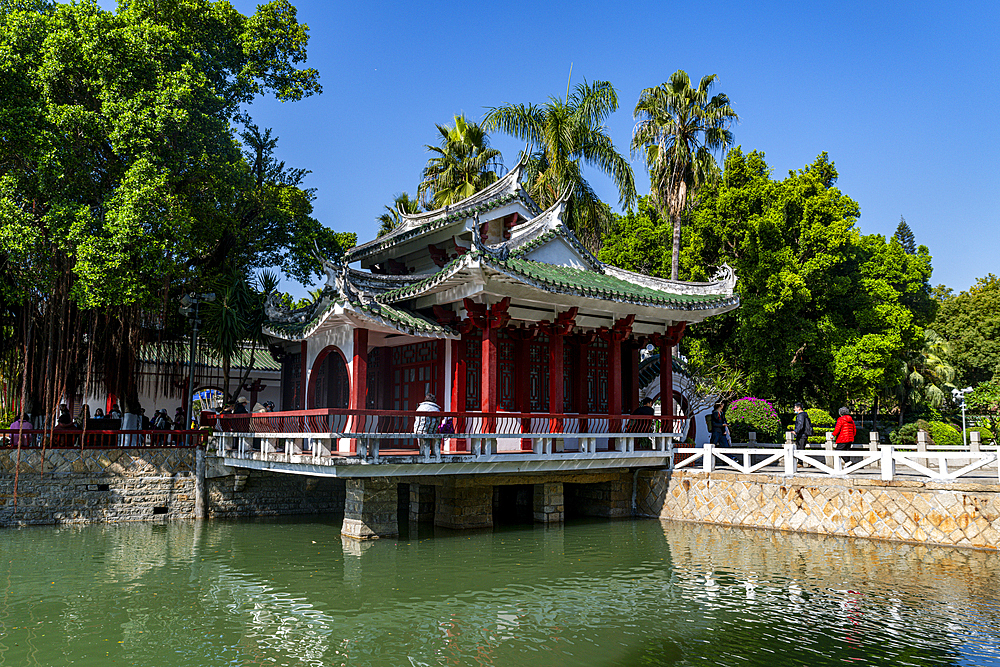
291 591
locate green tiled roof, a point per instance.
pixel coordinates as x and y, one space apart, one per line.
179 353
399 318
602 286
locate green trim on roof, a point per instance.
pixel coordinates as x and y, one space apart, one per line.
404 320
378 245
603 286
180 353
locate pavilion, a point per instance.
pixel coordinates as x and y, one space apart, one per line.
490 304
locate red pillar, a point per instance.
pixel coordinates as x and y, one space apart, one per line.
458 380
582 397
632 349
304 379
615 337
489 319
666 343
359 382
555 381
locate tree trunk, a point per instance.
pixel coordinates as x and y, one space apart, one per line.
676 254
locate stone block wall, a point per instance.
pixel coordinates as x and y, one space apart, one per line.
459 506
111 485
611 499
371 508
547 503
930 512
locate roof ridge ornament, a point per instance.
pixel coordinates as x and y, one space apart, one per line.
500 252
338 279
726 278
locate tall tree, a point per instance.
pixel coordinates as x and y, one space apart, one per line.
563 136
823 313
121 178
970 322
679 129
905 237
462 165
388 220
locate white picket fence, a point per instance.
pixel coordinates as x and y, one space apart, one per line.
942 463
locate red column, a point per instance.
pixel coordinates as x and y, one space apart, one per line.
304 369
582 399
632 349
615 337
458 380
666 343
559 329
489 319
555 381
359 382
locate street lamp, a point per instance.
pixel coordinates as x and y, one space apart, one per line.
959 395
189 308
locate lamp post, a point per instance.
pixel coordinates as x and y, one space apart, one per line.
959 395
189 307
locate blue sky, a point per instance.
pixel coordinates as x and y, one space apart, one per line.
903 97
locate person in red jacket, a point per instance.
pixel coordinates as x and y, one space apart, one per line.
844 433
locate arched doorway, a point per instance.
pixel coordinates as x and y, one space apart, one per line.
329 384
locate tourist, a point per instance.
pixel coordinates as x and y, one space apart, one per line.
803 426
844 433
241 406
259 407
269 406
114 412
720 428
426 424
21 424
64 424
99 413
642 425
143 420
179 418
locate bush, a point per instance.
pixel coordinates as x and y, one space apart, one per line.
940 433
753 414
945 434
822 424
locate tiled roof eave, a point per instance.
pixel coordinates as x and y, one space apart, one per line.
722 301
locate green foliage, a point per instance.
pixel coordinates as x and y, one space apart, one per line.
826 313
565 135
986 436
639 241
462 165
821 418
679 129
985 400
939 432
970 322
753 414
904 236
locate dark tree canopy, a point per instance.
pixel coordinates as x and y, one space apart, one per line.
970 322
905 237
123 179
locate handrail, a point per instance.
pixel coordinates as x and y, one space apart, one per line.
100 439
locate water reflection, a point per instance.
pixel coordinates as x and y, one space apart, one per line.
293 592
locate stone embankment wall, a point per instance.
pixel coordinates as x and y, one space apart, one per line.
110 485
930 512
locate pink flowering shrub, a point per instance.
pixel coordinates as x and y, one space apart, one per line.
753 414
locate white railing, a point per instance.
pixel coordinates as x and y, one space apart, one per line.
945 463
326 448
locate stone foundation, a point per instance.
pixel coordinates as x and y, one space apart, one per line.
112 485
611 499
421 507
371 508
463 506
547 502
930 512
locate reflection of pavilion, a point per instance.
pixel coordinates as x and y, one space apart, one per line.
490 304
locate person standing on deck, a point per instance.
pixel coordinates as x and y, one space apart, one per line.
426 424
720 428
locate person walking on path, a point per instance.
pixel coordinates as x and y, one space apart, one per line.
844 433
803 426
720 428
426 424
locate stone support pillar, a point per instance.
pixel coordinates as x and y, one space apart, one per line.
611 499
547 503
421 502
460 506
370 509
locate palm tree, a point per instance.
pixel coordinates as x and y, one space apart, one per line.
461 166
401 202
679 128
928 376
564 135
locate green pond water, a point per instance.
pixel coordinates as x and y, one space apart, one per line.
644 592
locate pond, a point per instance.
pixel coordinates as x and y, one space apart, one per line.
643 592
